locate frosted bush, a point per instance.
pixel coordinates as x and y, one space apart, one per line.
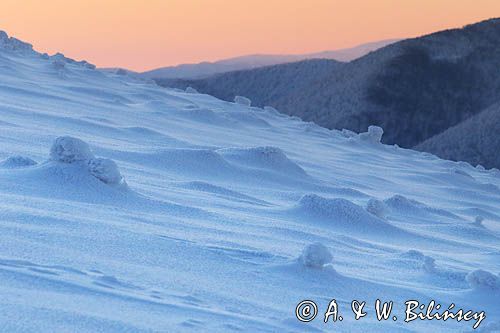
121 71
480 279
191 90
479 220
105 170
377 208
315 255
373 135
242 101
421 260
67 149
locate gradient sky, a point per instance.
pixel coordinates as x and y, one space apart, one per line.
147 34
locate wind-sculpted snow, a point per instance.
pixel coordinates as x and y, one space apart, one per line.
417 89
271 158
127 207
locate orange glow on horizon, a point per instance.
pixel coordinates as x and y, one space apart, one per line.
147 34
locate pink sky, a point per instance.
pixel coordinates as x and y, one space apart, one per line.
146 34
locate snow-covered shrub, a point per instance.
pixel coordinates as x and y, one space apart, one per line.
420 260
105 170
13 44
315 255
121 71
242 100
67 149
191 90
428 264
17 161
478 220
377 208
373 135
480 279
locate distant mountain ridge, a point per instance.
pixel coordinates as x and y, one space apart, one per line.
415 89
204 69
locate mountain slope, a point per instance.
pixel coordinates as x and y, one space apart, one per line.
476 140
127 207
204 69
414 89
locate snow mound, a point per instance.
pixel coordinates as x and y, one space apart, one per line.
105 170
483 280
408 207
67 149
315 255
17 161
191 90
377 208
268 157
374 134
191 162
421 260
340 209
242 101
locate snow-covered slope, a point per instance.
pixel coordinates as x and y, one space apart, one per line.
477 139
127 207
204 69
415 89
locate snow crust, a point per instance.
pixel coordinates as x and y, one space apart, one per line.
219 224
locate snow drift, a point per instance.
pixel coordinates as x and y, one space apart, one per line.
17 161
